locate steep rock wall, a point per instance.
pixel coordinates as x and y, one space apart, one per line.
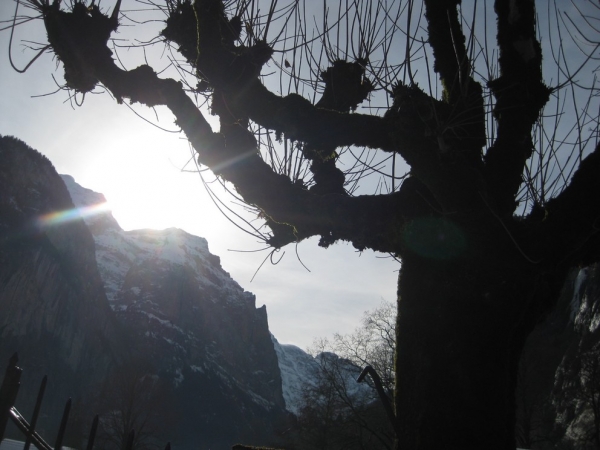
201 331
52 302
551 411
90 304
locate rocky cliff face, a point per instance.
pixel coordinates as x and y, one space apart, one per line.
54 311
553 409
298 369
200 328
87 302
576 393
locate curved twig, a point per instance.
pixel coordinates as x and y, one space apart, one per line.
12 31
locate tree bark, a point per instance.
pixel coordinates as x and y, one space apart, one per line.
461 326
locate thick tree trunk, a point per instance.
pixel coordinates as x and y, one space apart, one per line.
459 335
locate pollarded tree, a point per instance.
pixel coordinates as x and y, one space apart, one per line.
487 216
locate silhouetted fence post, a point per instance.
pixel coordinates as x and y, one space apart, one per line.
36 413
8 395
92 437
9 391
63 426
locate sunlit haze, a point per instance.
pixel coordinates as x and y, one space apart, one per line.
150 180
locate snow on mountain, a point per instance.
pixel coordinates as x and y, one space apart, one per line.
297 368
300 370
124 259
184 311
118 250
578 293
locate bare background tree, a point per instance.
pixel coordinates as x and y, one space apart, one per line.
411 128
337 412
133 399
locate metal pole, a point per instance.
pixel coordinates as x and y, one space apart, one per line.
92 436
63 426
9 391
36 412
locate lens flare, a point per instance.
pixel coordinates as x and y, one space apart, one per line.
435 238
58 217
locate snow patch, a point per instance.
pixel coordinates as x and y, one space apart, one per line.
197 369
117 251
297 368
595 322
577 294
178 378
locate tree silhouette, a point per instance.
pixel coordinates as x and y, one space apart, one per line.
133 399
338 413
494 202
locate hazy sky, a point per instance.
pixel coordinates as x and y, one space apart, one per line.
138 167
141 171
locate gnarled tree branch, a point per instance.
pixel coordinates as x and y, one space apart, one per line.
461 91
570 223
520 96
293 212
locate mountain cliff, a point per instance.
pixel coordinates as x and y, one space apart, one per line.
54 310
185 313
89 303
298 369
559 381
576 387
